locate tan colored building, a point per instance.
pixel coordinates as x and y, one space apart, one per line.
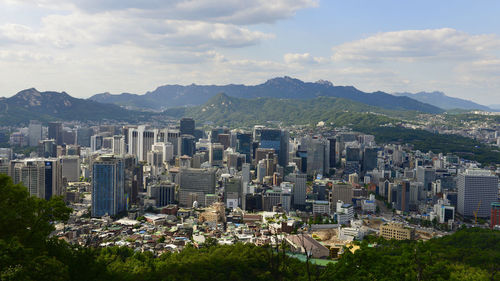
397 231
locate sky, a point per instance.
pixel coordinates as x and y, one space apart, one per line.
85 47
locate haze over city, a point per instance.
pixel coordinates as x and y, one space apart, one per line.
89 47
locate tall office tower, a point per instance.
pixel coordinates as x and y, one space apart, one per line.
69 136
70 166
403 196
34 132
352 154
224 139
96 142
118 146
162 192
41 176
186 145
426 175
261 170
370 158
278 140
155 160
245 173
234 161
47 148
187 126
342 192
232 191
140 141
169 152
55 132
195 183
133 177
331 151
244 145
108 186
477 189
216 154
83 136
299 191
317 157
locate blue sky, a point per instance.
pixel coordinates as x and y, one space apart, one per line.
85 47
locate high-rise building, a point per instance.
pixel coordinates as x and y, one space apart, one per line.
47 148
195 182
83 136
118 146
331 151
244 145
140 141
278 140
317 157
70 166
216 153
108 186
56 132
426 175
96 142
42 177
342 192
370 157
187 126
34 132
186 145
162 192
477 189
300 188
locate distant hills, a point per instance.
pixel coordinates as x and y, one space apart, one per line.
443 101
170 96
30 104
231 111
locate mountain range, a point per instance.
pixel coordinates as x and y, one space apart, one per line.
30 104
170 96
443 101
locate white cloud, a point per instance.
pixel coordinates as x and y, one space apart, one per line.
412 45
224 11
305 58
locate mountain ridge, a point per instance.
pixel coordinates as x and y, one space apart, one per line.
169 96
31 104
443 101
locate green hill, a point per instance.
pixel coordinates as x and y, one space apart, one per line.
231 111
48 106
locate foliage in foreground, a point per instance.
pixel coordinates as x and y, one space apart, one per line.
26 253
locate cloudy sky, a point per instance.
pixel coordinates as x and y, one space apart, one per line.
86 47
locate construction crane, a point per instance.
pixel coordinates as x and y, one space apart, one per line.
476 211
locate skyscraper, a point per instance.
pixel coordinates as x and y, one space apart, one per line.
108 186
34 132
244 145
55 132
41 176
299 190
477 189
186 145
195 184
278 140
187 126
140 141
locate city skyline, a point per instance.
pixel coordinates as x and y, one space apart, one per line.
88 47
